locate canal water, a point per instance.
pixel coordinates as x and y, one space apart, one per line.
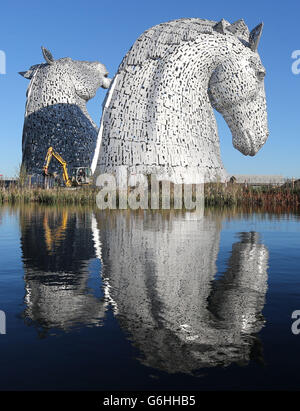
148 300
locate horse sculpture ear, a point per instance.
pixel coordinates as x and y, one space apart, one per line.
239 28
29 73
255 36
221 26
25 74
47 56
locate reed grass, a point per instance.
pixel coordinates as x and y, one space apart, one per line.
215 194
20 195
239 194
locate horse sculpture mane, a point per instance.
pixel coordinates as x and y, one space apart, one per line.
56 113
158 115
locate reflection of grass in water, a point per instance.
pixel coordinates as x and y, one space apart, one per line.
216 195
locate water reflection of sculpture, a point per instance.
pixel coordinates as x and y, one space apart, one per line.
159 278
57 250
161 273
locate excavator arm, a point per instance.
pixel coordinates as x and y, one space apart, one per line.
51 153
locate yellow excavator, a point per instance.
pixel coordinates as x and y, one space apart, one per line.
80 176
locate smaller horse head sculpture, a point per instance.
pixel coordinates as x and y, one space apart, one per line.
56 113
236 89
85 76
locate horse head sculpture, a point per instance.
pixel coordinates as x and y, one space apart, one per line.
85 77
56 113
236 89
158 116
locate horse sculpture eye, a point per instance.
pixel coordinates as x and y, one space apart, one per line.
261 74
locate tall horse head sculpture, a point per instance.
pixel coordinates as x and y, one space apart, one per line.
56 113
158 116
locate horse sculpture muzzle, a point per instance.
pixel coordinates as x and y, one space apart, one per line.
248 124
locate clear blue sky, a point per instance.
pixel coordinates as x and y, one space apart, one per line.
104 31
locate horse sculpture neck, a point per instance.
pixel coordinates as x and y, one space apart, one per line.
186 125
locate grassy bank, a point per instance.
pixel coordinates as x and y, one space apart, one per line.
239 194
17 195
216 194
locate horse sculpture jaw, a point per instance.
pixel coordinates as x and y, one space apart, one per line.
249 125
246 119
249 148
